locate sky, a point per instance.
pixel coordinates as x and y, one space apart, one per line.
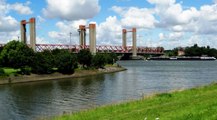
165 23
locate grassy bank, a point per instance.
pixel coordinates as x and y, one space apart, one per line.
193 104
12 78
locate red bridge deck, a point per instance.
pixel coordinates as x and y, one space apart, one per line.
100 48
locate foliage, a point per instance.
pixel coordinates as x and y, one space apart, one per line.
65 62
16 55
111 58
25 71
199 51
42 64
170 53
99 60
2 72
194 104
84 57
1 48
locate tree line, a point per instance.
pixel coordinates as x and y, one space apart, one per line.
18 55
194 50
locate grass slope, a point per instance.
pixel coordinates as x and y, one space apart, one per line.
194 104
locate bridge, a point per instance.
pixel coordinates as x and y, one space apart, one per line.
134 49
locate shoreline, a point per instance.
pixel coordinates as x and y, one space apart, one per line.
58 76
200 103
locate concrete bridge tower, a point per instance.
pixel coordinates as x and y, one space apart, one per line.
124 39
134 42
32 28
92 38
82 36
134 39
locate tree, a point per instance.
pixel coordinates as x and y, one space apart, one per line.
16 54
99 61
110 58
42 64
65 62
84 57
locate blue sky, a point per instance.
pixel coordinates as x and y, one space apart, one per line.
166 23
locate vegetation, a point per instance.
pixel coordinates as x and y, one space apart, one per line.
173 52
20 59
193 104
99 61
66 62
194 50
199 51
85 58
42 64
16 55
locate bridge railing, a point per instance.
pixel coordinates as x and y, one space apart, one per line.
99 48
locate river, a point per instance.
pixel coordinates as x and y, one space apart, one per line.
44 99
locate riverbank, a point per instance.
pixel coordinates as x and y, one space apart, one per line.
194 104
58 76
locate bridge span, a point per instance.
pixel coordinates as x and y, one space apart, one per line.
93 47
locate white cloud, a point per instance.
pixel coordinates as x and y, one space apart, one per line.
8 36
109 32
8 23
65 28
135 17
161 36
9 26
162 2
21 8
71 9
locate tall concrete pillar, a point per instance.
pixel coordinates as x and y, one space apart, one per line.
32 33
124 38
82 36
92 38
23 31
134 42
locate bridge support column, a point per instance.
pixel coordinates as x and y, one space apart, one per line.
124 39
134 42
92 38
23 31
32 34
82 36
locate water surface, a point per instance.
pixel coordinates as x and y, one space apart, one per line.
37 100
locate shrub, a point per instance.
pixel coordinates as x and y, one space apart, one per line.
65 62
42 64
2 73
99 61
16 54
84 57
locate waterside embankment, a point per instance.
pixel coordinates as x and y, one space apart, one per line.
58 76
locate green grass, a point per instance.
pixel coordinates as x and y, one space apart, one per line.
10 70
193 104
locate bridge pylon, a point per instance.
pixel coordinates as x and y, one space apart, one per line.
92 37
134 39
32 24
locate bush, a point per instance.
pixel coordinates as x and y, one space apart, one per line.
2 73
25 71
16 54
65 62
99 61
84 57
42 64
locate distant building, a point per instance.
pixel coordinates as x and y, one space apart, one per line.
181 51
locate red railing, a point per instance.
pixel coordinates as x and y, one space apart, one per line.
100 48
